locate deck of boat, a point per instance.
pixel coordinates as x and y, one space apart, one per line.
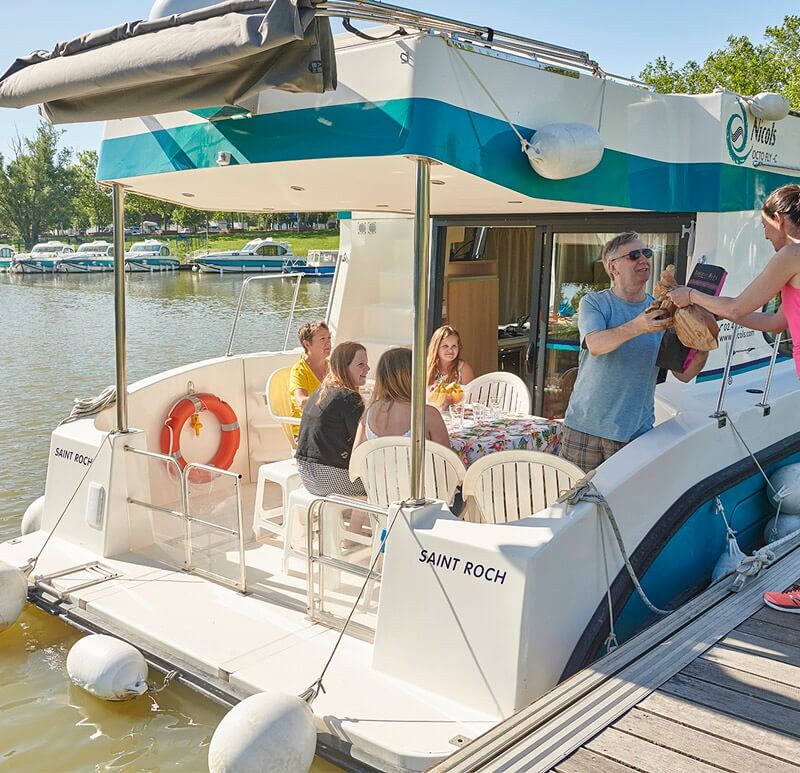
716 690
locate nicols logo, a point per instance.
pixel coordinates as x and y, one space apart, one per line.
745 139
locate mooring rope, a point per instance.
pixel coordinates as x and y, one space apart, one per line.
313 690
89 406
585 491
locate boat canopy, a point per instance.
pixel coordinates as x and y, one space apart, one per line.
222 55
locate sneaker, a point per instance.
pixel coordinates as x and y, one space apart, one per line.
788 601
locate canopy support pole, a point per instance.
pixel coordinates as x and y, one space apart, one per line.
422 243
118 205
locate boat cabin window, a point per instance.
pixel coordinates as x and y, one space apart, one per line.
270 250
6 252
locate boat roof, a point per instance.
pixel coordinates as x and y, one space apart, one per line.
456 93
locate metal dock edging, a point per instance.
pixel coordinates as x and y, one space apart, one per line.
552 727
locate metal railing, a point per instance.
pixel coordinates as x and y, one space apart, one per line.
243 292
727 379
483 37
317 557
183 477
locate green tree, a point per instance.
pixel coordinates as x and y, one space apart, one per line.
36 185
192 218
92 202
742 66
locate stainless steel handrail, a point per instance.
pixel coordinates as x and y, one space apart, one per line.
763 404
317 508
183 477
719 414
170 461
236 477
245 285
334 285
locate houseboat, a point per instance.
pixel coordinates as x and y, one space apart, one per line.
484 172
7 253
151 255
42 259
90 258
262 256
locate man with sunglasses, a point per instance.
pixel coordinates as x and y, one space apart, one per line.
613 401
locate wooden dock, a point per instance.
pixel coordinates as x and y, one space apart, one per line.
734 708
715 686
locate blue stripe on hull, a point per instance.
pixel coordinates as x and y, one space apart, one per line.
476 143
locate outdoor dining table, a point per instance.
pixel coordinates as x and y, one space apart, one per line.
507 432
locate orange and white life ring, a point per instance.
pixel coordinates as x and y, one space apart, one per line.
192 405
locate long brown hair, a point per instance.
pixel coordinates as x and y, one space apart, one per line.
433 354
339 362
393 376
784 201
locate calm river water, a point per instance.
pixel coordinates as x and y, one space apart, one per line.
57 343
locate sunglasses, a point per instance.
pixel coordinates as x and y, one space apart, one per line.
636 254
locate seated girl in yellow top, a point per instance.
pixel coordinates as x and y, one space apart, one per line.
309 371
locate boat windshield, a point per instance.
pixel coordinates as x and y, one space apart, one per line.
43 249
149 249
251 246
101 248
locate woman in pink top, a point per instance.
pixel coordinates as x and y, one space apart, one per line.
780 216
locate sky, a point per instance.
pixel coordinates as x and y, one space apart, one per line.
621 36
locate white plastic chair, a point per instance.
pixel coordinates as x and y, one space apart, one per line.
510 485
384 466
509 389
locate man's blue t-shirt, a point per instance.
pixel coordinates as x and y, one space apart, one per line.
614 395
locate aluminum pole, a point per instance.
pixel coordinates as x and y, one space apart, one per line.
118 205
422 242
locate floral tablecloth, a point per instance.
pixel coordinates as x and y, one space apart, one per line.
509 432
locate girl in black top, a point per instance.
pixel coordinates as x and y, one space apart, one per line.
329 422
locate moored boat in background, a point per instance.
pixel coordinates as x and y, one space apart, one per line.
151 255
7 253
42 259
90 258
261 256
317 263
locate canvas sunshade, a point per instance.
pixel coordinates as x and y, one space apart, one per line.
221 55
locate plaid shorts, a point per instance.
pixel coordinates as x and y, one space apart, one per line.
587 451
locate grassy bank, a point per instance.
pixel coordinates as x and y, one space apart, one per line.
301 242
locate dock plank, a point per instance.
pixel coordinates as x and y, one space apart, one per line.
766 648
713 722
777 633
643 755
786 619
762 712
690 742
774 670
744 682
584 761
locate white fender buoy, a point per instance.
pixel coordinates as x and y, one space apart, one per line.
13 592
788 479
32 520
107 668
265 733
768 106
779 527
731 558
561 150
